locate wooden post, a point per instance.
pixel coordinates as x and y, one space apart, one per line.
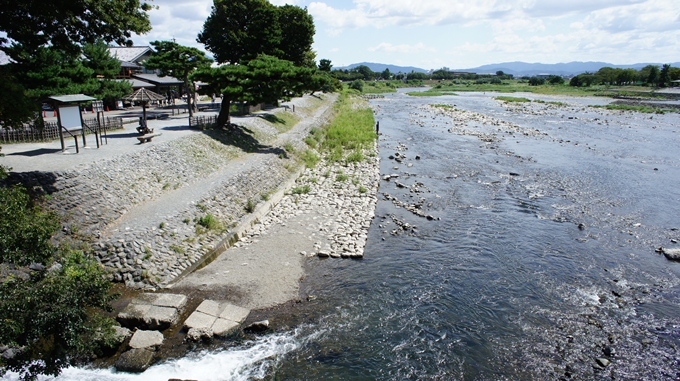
61 133
82 130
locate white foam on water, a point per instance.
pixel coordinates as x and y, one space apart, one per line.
249 361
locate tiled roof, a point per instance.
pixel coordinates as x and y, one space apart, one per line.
156 80
128 54
136 83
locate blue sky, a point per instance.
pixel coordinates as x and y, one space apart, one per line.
465 33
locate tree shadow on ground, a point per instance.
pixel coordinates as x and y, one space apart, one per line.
36 182
272 118
243 138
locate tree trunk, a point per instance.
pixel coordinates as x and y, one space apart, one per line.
224 119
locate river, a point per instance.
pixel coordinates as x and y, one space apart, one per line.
539 263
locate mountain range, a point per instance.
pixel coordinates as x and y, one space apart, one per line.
518 69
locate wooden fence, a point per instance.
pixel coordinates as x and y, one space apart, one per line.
50 132
203 122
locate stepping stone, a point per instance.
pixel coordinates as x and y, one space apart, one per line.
199 320
221 318
152 311
223 327
146 339
234 313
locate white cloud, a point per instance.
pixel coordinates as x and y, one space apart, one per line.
383 13
181 20
403 48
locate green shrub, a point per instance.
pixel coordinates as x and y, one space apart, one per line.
250 205
357 85
209 222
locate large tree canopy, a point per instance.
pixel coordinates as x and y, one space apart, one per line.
65 24
46 41
265 79
238 30
177 61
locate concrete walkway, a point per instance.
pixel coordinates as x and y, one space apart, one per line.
47 156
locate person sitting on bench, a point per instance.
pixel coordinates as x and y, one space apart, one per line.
143 128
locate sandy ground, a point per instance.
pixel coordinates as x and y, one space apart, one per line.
261 274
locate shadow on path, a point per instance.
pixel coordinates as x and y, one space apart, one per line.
36 152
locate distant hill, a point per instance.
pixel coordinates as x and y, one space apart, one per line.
570 68
518 69
379 68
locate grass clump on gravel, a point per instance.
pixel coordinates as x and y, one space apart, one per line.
304 189
512 99
641 109
209 222
429 93
310 158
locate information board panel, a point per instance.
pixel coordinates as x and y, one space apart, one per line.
70 117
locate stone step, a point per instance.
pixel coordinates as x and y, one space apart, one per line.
218 317
153 311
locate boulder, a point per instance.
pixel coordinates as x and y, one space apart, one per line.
198 334
258 326
671 254
134 360
122 333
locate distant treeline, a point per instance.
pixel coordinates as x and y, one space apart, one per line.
650 75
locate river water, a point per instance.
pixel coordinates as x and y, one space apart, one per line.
539 263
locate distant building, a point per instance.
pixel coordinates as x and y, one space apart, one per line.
132 69
131 58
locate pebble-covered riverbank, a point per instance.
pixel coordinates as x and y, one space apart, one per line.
344 196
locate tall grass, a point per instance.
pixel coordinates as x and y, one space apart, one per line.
351 129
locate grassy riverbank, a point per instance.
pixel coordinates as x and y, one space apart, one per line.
347 136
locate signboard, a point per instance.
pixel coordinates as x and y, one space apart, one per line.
70 117
98 106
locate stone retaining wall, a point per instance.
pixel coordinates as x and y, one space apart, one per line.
92 197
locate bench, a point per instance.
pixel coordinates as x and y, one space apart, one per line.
144 130
147 138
